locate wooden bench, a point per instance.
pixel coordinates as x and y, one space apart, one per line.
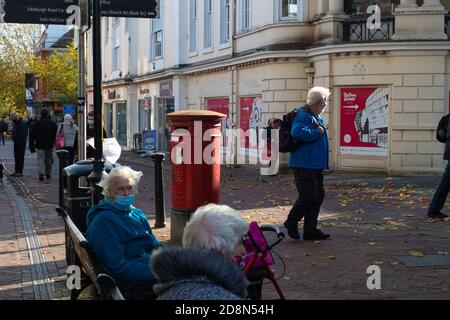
106 286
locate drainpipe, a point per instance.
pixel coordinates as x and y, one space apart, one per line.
233 29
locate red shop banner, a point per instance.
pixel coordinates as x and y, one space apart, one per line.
364 121
222 106
251 117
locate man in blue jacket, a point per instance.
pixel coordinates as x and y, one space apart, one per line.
308 163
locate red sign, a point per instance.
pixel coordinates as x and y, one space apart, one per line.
221 106
364 121
251 113
143 90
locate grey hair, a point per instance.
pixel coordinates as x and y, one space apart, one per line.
122 171
317 94
216 227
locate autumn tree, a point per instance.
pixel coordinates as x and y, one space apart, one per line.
17 45
59 73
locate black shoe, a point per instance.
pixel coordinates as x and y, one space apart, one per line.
437 215
316 235
47 176
292 229
41 177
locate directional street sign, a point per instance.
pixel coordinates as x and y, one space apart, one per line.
130 8
60 11
37 12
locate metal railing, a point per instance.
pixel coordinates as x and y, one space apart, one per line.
356 30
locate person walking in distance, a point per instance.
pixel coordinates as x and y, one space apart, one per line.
308 162
3 129
70 131
42 138
19 137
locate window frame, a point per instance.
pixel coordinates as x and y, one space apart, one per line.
301 10
156 29
208 24
225 23
193 26
245 9
115 46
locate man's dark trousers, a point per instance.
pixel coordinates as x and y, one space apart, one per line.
311 192
441 193
19 155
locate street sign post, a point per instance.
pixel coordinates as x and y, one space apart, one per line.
62 11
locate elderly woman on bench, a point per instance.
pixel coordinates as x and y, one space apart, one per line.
120 236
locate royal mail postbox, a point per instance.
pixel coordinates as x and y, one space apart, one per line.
195 153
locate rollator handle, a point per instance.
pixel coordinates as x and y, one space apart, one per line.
275 229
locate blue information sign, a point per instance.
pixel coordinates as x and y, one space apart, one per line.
149 140
69 109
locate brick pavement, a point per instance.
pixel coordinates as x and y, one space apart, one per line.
372 219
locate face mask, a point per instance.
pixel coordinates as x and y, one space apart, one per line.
90 122
125 201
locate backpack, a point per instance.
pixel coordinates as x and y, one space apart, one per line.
287 143
441 131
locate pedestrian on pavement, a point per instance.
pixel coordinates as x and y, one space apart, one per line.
308 163
70 130
3 130
42 138
120 235
19 136
438 201
205 269
32 121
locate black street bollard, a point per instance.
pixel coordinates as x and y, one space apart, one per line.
63 157
158 158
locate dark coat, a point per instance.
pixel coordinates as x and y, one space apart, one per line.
43 134
447 144
3 126
197 274
20 132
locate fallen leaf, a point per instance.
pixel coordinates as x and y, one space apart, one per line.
372 243
415 253
378 263
332 257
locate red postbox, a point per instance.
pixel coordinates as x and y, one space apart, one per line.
195 153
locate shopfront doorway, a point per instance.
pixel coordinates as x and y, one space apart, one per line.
121 123
165 106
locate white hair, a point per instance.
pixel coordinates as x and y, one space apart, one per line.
125 172
216 227
317 94
68 117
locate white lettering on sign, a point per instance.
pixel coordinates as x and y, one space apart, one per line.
349 97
